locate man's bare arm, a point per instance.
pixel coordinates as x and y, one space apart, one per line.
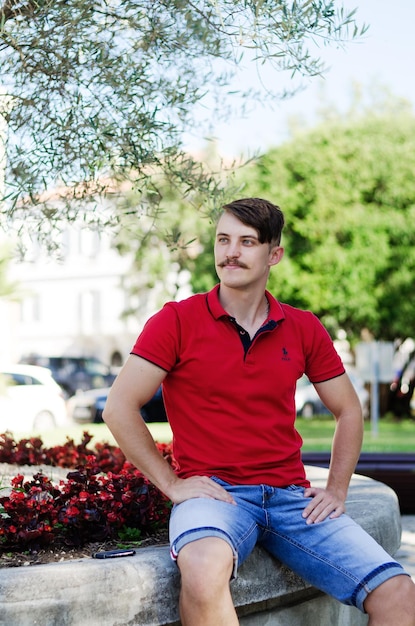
341 399
134 386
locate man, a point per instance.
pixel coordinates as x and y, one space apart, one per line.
229 361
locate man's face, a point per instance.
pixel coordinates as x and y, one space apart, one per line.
240 258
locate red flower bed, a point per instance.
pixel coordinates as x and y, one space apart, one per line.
104 496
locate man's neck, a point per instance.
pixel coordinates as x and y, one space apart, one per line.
249 308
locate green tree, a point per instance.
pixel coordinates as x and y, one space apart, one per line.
100 92
346 188
167 242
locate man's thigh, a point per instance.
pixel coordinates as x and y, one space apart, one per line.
203 517
337 555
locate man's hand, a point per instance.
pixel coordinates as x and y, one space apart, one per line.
324 504
197 487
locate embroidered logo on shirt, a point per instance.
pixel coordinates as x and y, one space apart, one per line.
285 356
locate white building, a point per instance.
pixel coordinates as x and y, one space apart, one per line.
73 306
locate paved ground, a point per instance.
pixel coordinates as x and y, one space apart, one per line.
406 553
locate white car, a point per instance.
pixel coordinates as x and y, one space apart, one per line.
30 400
308 403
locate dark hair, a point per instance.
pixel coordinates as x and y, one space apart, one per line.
265 217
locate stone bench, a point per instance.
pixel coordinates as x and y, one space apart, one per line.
143 590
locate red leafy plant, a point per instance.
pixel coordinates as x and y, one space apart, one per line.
104 497
32 452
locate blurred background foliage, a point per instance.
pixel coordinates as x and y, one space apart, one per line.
95 97
346 188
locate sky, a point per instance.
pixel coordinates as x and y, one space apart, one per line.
384 56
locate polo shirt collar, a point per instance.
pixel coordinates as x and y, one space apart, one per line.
276 312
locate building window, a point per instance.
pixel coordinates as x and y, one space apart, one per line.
89 243
30 309
89 313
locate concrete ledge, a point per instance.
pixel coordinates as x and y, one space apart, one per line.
143 590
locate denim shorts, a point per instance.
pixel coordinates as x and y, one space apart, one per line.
337 556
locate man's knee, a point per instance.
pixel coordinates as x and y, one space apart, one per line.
205 565
395 596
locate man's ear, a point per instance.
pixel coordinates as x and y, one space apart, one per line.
276 254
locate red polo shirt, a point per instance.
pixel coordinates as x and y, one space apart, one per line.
231 407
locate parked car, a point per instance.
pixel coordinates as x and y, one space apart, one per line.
74 373
87 406
30 399
308 402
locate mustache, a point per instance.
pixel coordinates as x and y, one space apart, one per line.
232 262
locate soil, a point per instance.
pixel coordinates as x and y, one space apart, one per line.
58 553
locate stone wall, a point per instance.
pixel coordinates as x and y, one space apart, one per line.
143 590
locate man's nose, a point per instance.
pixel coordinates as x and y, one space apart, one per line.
233 250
